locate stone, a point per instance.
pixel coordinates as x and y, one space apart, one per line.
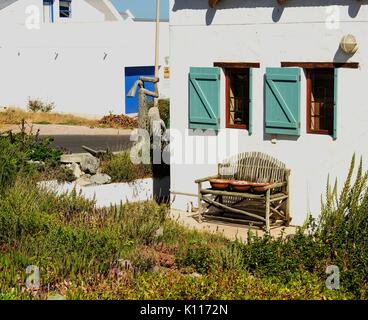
71 158
39 164
56 296
159 232
195 275
77 172
101 178
90 164
84 180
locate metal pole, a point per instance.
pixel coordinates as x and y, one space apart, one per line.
157 43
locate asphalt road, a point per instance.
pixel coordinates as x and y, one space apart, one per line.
74 143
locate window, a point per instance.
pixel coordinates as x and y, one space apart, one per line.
237 98
65 8
320 101
48 11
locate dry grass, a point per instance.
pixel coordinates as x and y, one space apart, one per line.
15 115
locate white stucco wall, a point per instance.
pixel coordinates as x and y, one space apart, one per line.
261 31
79 65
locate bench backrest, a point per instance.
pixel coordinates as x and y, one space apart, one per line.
255 167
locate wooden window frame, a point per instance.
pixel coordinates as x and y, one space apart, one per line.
324 65
309 105
227 100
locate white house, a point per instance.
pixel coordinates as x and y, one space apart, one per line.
81 54
273 78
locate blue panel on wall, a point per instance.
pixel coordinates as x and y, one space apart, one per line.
132 74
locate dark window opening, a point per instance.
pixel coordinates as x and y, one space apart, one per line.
65 8
237 98
320 101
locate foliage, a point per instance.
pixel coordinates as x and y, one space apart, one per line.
24 151
83 252
121 169
118 121
17 115
38 105
343 227
164 107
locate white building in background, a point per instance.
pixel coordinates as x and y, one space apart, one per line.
271 78
81 54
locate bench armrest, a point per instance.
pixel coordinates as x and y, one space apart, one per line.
206 179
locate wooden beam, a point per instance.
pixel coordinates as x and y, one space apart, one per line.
224 206
238 65
234 220
232 194
313 65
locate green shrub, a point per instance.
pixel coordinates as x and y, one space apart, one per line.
37 105
343 226
27 153
164 107
10 159
121 169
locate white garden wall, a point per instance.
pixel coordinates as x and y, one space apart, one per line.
264 32
80 64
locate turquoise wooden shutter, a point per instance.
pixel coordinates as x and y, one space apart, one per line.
250 126
204 98
282 101
334 132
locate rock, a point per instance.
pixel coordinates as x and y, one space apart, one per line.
84 180
77 172
39 164
56 296
195 275
159 232
71 158
90 164
101 178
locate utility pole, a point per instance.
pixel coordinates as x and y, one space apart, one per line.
157 45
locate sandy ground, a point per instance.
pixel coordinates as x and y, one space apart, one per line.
55 129
229 230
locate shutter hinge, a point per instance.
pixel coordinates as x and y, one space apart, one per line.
299 125
300 78
218 77
218 120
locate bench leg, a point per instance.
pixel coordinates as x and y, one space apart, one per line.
287 209
268 210
199 202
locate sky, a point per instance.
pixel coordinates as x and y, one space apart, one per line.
143 8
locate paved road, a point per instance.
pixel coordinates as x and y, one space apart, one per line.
74 143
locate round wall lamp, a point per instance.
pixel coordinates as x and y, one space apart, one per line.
349 44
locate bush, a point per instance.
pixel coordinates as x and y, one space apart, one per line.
343 226
66 235
10 159
121 169
25 152
164 107
39 106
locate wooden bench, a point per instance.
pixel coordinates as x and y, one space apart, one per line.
272 205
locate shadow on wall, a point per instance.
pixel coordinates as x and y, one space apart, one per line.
353 6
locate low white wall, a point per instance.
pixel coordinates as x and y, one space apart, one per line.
108 194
